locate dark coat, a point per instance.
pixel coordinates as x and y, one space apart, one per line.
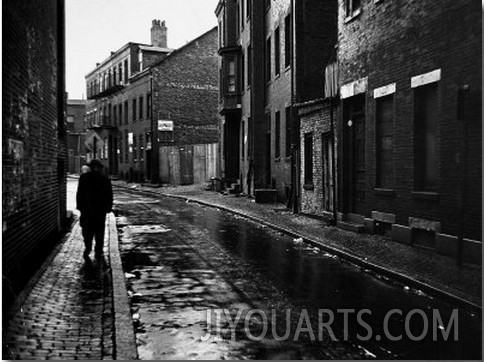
94 194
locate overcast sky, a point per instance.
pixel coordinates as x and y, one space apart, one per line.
94 28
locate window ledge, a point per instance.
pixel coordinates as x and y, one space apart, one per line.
425 195
308 187
384 192
288 159
288 67
277 159
353 16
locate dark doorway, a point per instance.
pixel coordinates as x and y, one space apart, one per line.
231 147
354 178
186 165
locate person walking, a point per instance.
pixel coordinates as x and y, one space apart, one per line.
94 200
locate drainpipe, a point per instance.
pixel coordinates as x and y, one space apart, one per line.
154 137
333 162
294 129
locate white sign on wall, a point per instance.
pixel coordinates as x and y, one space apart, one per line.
165 126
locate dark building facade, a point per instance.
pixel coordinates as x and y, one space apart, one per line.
151 95
409 124
33 137
76 134
268 62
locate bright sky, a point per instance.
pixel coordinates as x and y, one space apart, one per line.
94 28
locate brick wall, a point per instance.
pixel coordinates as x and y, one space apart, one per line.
33 135
392 41
315 117
185 87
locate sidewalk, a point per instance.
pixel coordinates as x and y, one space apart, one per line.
66 311
417 268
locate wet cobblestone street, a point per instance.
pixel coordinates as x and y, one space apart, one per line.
182 260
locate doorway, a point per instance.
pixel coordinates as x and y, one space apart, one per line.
354 180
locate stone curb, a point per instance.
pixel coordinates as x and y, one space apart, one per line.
124 336
377 269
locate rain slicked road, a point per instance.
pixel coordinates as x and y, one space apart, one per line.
205 284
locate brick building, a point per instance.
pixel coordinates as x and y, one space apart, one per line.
76 134
33 137
268 62
143 90
408 123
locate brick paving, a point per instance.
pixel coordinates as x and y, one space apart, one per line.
424 266
68 312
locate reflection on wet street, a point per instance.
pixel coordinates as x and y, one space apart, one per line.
195 276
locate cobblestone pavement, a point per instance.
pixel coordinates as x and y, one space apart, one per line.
425 266
68 312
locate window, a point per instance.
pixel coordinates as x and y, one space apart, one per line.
268 60
308 158
277 51
134 111
249 65
425 147
277 153
126 112
242 71
242 15
384 142
288 132
135 149
120 67
115 79
287 40
141 148
126 72
231 76
126 150
148 106
115 115
140 108
352 7
120 111
120 149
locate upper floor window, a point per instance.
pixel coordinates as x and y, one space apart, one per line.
277 51
287 40
126 71
268 60
148 106
134 110
120 67
231 76
141 107
352 7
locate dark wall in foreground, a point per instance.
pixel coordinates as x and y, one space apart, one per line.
34 137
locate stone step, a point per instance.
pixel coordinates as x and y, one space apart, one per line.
265 196
350 226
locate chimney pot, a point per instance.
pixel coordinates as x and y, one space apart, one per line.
158 34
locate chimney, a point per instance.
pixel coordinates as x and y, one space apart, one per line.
158 34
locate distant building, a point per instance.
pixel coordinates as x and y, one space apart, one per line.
76 134
144 93
33 137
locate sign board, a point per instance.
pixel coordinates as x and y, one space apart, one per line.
165 126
